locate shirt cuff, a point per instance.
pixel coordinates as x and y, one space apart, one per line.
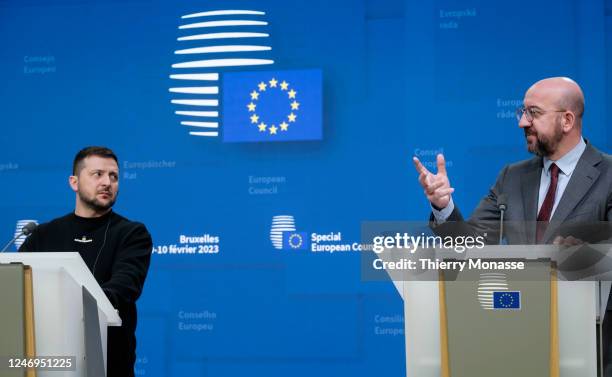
444 213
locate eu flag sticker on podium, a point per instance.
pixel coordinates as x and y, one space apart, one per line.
509 300
272 106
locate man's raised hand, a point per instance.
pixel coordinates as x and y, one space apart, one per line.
435 186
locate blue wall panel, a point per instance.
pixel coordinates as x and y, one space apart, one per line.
400 78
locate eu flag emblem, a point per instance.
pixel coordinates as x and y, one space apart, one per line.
272 106
507 300
294 241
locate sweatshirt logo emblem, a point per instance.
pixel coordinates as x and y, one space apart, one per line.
83 240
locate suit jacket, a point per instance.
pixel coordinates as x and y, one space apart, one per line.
587 200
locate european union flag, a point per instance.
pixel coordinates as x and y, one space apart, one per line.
295 241
272 106
507 300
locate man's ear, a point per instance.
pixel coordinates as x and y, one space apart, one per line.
569 121
73 181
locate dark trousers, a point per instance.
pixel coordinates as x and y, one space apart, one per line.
121 352
606 340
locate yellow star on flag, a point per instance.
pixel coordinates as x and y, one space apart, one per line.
262 86
254 95
295 105
251 106
292 117
284 85
284 126
254 118
292 93
273 83
262 127
273 130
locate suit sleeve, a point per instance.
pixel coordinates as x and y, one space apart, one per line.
483 222
609 207
130 267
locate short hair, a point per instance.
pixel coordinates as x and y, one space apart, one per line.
104 152
574 103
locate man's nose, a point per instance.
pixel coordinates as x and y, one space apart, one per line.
523 122
105 180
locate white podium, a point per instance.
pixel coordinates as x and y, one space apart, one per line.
580 305
66 297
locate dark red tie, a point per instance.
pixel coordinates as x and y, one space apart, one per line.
549 202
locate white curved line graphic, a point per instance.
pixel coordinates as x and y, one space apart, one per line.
196 90
196 102
222 36
201 124
222 63
209 134
223 23
223 13
214 49
209 114
196 76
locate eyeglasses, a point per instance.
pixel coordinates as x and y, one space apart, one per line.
532 113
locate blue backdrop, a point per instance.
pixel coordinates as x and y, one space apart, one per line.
399 78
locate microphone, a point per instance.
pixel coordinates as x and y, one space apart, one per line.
25 231
502 204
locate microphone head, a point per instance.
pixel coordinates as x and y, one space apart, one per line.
502 202
29 228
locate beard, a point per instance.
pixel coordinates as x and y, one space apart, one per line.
545 146
95 204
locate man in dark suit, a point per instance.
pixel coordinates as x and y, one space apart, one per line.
569 181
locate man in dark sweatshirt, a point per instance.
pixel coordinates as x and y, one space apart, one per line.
116 250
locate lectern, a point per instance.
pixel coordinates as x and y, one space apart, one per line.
71 312
453 330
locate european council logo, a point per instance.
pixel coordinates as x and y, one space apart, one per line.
295 241
507 300
210 43
281 224
272 106
488 284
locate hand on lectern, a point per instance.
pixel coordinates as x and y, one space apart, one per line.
435 186
567 241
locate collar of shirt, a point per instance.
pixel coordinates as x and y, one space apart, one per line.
568 162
